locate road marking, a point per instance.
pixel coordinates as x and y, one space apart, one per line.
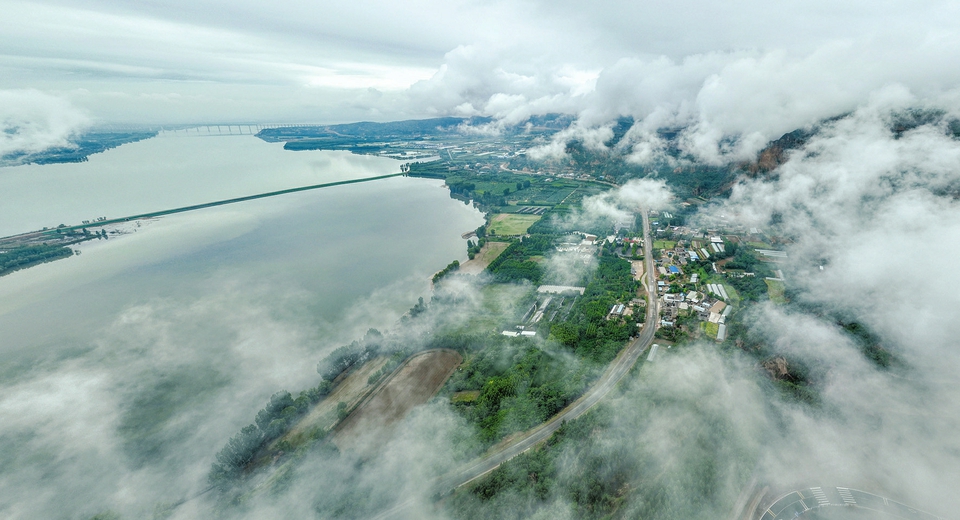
846 496
820 496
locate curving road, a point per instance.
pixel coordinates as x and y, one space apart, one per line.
614 373
797 503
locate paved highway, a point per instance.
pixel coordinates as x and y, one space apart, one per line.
797 503
614 373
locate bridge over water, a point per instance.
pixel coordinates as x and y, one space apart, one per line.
228 128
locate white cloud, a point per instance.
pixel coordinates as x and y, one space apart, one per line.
31 121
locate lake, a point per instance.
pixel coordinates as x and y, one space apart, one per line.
126 368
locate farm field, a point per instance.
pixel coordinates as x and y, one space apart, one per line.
775 290
507 224
487 254
323 416
413 384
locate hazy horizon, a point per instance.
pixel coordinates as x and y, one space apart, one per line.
200 317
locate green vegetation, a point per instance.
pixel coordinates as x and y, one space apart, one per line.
474 247
599 466
869 344
271 422
82 147
450 268
518 385
27 256
364 132
506 224
514 264
775 290
589 332
710 329
391 364
283 411
351 356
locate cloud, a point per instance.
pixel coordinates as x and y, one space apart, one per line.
877 207
626 201
31 121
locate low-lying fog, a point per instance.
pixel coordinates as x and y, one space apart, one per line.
127 367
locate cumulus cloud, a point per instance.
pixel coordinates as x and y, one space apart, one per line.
624 202
872 198
31 121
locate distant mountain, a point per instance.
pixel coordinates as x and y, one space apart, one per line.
410 129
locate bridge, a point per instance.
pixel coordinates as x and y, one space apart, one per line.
227 128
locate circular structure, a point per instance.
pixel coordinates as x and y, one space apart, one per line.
798 503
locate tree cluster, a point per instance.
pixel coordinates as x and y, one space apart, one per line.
514 264
350 356
272 421
520 385
588 332
26 256
450 268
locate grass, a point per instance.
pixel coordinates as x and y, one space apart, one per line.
664 244
711 329
488 253
731 292
775 290
466 396
506 224
760 245
498 308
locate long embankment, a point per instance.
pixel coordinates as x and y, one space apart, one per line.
54 232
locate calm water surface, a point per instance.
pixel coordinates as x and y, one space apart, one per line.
126 368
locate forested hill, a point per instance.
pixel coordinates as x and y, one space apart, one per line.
409 129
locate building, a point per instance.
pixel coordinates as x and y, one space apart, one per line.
560 289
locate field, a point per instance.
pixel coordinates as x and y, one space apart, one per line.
487 254
506 224
420 377
664 244
711 329
323 416
775 290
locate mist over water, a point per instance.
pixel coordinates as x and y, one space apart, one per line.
126 368
167 171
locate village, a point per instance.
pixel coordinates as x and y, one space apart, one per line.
698 273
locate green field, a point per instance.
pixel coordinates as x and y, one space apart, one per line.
711 329
506 224
775 290
664 244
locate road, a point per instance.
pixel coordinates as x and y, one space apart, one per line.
52 233
614 373
797 503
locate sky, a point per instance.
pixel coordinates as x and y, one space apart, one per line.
879 209
748 67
